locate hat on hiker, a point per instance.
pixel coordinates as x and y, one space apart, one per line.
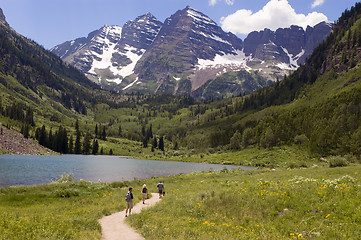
144 185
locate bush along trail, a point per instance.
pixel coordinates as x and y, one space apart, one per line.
114 226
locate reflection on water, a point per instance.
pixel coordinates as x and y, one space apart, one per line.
28 170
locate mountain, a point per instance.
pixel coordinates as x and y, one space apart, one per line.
187 40
317 107
287 47
185 53
31 76
109 54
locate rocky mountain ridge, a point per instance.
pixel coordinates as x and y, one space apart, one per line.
186 52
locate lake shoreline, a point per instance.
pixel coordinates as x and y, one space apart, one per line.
42 169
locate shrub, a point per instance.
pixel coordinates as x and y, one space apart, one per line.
298 164
67 193
337 161
120 184
300 139
66 178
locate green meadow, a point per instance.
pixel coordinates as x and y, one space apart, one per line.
318 202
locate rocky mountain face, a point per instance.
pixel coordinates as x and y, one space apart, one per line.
186 52
2 16
287 45
109 54
175 61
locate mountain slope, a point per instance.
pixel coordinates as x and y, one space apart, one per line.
31 75
316 107
186 52
109 54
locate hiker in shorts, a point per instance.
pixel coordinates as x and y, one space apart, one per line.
129 200
144 192
160 187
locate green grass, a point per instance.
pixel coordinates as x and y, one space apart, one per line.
281 156
313 203
57 211
317 203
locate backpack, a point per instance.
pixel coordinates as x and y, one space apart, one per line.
128 197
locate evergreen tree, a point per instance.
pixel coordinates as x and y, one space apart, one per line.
104 134
145 142
86 144
51 140
77 146
43 136
63 140
154 144
143 131
101 151
120 131
111 152
161 144
29 117
71 145
95 147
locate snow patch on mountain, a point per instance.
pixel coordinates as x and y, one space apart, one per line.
198 17
235 61
293 60
134 57
131 84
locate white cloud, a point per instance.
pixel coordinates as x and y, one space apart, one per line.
214 2
275 14
317 3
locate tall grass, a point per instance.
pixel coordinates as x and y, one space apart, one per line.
315 203
68 210
312 203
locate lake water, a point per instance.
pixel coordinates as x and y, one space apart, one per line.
29 170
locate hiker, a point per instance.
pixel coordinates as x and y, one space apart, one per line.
129 200
160 187
144 192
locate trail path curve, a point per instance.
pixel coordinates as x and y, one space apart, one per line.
114 226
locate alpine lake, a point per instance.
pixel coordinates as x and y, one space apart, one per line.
31 170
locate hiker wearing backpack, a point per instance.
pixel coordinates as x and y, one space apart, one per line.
129 200
144 192
160 187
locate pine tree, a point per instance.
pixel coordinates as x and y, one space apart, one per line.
154 144
43 136
101 151
120 131
71 145
143 131
104 134
95 147
86 144
77 147
161 144
145 142
111 152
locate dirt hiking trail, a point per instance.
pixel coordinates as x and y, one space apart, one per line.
115 228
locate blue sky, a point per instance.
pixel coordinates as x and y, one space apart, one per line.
51 22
